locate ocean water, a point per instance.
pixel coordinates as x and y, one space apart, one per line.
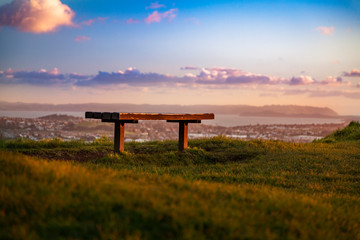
220 119
236 120
36 114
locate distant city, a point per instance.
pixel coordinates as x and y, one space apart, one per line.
77 128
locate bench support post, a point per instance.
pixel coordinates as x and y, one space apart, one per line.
119 136
119 133
183 132
183 135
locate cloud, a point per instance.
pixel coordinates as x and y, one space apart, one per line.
189 68
88 22
302 80
75 76
132 77
36 16
91 21
326 30
230 76
132 21
158 17
155 5
249 79
39 78
206 78
335 81
353 73
82 39
42 77
102 19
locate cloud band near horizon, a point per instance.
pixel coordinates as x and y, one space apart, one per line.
215 77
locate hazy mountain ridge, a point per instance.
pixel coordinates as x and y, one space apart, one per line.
244 110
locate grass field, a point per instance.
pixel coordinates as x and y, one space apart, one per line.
217 189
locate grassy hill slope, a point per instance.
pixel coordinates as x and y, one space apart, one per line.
218 189
349 133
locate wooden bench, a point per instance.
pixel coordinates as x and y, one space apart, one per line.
119 119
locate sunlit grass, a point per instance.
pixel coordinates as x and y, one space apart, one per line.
219 188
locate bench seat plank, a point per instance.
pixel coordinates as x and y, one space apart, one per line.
164 116
149 116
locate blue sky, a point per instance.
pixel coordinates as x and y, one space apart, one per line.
182 52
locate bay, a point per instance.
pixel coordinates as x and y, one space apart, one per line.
220 119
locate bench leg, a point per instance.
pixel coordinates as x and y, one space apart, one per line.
183 135
119 136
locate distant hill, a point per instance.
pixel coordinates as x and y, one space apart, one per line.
58 117
243 110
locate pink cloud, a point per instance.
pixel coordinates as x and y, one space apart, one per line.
132 21
154 17
36 16
88 22
353 73
93 20
326 30
82 39
102 19
155 5
158 17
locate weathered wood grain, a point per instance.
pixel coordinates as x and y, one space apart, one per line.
148 116
165 116
183 135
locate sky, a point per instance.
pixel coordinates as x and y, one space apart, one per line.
182 52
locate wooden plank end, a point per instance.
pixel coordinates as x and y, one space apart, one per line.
89 114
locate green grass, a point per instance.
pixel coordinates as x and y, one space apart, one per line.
218 189
349 133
